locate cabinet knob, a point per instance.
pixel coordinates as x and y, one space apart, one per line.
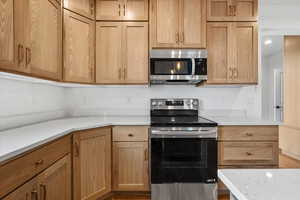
249 154
130 135
39 162
34 195
249 134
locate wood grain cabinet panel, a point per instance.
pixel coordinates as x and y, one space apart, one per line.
27 191
219 49
178 24
232 52
122 52
248 133
130 133
12 37
55 181
248 153
129 10
82 7
164 23
135 52
109 52
44 41
130 166
92 163
192 23
79 48
232 10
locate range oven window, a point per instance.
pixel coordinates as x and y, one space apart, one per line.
185 160
171 66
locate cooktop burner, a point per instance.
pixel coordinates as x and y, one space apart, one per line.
178 113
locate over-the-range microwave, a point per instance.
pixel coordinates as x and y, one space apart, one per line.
180 66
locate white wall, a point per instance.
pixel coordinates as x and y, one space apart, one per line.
25 103
216 101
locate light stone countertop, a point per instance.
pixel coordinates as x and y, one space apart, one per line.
19 140
262 184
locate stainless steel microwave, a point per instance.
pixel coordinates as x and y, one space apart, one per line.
180 66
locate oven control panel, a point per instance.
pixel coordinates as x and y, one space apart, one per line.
172 104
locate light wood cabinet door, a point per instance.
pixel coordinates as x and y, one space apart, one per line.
232 10
82 7
55 182
27 191
135 9
164 23
130 166
44 39
219 52
79 48
245 49
192 23
109 52
12 37
109 10
92 163
135 52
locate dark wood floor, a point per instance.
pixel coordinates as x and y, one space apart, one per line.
284 162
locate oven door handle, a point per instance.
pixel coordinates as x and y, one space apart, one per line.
184 134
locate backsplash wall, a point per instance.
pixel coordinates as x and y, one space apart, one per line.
24 103
135 100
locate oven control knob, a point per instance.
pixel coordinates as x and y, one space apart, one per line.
154 103
195 103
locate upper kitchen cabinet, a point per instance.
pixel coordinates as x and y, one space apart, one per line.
178 24
92 163
232 53
32 40
82 7
131 10
79 48
12 37
232 10
122 52
44 40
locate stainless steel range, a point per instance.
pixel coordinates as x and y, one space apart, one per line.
183 151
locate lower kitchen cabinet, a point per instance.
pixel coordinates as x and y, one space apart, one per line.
53 183
92 163
130 166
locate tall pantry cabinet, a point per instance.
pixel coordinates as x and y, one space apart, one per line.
32 40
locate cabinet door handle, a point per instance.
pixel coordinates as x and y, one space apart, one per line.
234 10
28 56
119 10
236 73
77 152
39 162
124 6
182 37
146 154
230 73
249 134
34 195
124 73
120 73
20 53
92 73
92 8
44 189
177 37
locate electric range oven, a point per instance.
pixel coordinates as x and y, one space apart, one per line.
183 151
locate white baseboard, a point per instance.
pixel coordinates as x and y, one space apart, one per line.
297 157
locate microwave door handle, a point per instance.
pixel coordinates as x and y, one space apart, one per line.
193 67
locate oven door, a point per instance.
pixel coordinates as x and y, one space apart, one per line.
171 67
183 160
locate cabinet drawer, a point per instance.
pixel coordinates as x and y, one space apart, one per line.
31 164
130 133
248 153
248 133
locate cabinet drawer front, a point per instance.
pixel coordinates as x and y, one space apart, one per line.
31 164
248 153
130 133
248 133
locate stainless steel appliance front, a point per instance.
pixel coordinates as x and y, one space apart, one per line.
184 191
169 66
